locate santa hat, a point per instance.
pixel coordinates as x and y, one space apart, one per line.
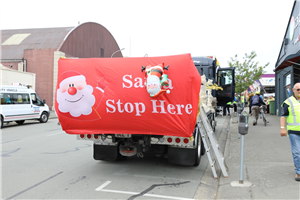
157 70
69 76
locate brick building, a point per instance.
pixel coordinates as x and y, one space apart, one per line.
38 50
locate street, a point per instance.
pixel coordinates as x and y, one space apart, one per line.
40 161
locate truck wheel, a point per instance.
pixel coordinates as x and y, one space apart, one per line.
198 151
20 122
44 117
213 123
202 148
1 121
184 156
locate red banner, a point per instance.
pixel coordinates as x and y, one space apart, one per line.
109 95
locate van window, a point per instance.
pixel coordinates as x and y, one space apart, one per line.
25 98
20 99
36 100
5 98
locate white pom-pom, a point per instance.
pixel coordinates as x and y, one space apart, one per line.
168 91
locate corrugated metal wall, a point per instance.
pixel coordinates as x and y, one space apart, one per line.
87 40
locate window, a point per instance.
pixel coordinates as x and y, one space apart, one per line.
5 98
288 88
225 77
25 98
36 100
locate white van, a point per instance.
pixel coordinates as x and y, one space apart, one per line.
19 103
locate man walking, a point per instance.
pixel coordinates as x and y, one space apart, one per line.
290 113
242 99
256 103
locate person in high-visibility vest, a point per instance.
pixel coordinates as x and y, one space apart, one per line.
243 99
227 107
235 102
290 115
271 98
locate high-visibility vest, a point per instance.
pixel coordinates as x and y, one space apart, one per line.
271 100
229 103
242 99
293 120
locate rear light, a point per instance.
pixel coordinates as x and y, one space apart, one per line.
169 140
89 136
96 136
177 140
81 135
186 140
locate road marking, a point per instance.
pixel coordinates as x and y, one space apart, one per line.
103 186
39 183
100 188
56 133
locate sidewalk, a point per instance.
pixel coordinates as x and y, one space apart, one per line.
268 165
52 115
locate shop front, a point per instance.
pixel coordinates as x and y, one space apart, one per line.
287 68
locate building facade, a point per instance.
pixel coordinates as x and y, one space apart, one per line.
38 51
287 68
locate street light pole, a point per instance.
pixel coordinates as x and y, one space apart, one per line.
116 52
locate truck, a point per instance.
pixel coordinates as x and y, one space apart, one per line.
223 77
118 105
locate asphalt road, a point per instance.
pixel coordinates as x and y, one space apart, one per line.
40 161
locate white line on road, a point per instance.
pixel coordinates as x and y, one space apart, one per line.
100 188
56 133
103 186
148 195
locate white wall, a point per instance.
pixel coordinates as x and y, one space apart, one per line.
10 77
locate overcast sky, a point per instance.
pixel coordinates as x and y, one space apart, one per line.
220 28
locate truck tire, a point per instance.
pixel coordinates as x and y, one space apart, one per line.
202 148
187 157
44 117
1 121
213 123
198 150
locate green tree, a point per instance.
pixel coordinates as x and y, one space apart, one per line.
246 71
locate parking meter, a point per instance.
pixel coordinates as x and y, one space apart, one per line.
239 110
243 123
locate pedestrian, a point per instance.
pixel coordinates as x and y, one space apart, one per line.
256 103
242 99
227 107
271 98
235 102
250 101
290 115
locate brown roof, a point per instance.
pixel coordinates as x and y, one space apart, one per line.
42 38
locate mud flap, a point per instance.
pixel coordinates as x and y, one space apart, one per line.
110 153
181 156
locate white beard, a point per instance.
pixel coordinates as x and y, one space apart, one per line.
151 80
82 103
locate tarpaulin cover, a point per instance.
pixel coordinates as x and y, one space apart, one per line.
108 96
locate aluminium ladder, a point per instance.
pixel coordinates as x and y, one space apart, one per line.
211 145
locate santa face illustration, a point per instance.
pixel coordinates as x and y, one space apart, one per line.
75 96
153 84
156 79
